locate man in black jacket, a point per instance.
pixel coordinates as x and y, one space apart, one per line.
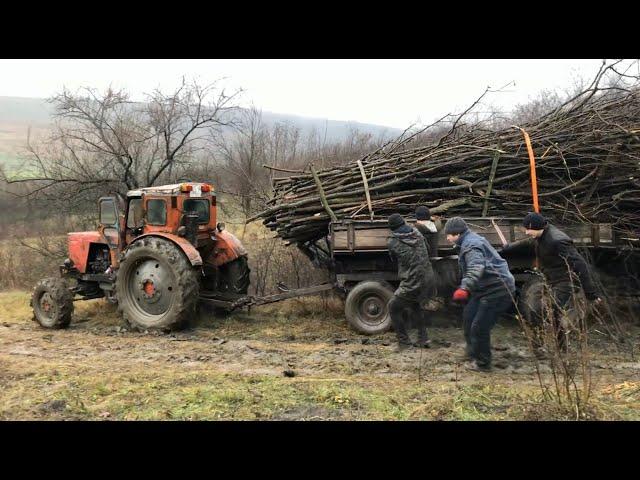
407 247
564 269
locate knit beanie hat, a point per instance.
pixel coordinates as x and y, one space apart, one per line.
534 221
454 226
423 213
395 221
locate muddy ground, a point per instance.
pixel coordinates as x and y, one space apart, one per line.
293 361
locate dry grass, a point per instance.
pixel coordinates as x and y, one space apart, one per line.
232 368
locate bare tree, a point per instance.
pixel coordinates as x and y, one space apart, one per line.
106 142
282 147
243 156
536 107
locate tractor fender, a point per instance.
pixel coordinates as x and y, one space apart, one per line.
189 250
228 248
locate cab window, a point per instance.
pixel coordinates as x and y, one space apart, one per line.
199 206
108 212
156 212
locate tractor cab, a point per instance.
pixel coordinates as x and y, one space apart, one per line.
187 210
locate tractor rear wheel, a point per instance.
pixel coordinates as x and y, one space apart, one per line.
234 277
157 287
52 303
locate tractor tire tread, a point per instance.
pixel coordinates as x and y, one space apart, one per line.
186 301
60 293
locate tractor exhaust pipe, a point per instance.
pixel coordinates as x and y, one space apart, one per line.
191 228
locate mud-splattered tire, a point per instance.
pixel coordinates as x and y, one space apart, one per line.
52 303
234 277
447 277
157 287
366 307
531 300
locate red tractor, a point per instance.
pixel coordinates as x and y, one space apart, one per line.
155 254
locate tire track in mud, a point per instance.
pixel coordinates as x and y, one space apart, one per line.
306 354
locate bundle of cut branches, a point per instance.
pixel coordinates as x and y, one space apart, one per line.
587 157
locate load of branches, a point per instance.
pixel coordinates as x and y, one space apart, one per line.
587 163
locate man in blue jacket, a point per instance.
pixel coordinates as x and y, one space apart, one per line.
487 288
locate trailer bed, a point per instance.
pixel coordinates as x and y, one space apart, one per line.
356 236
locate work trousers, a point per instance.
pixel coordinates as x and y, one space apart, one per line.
563 313
479 317
403 312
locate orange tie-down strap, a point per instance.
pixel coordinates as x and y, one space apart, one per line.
532 165
534 179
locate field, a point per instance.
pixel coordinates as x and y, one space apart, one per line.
13 142
297 360
290 361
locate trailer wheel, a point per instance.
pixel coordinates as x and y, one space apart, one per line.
366 307
52 303
531 300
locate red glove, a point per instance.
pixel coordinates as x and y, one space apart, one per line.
461 295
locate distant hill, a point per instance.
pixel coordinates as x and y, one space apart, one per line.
17 114
336 130
34 111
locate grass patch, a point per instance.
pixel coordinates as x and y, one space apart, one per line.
93 372
15 309
202 394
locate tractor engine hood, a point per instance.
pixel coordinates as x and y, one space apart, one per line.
78 245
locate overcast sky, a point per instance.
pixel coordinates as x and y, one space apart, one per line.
394 93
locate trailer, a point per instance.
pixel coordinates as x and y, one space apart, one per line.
355 254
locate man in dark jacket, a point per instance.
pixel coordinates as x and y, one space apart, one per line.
428 227
487 288
407 247
564 269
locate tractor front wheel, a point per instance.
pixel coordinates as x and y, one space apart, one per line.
157 287
52 303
